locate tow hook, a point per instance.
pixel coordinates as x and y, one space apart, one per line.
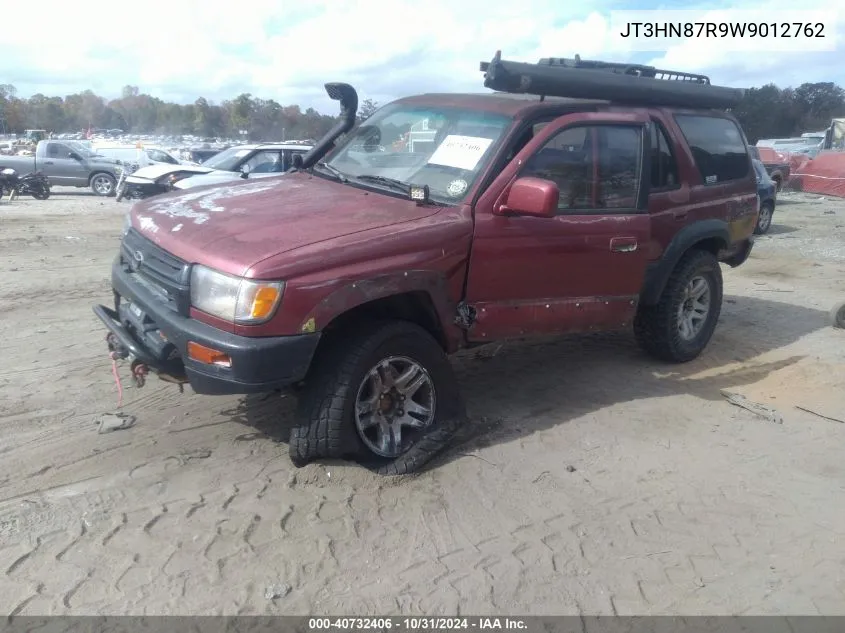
139 372
116 350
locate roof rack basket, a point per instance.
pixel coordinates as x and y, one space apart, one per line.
621 83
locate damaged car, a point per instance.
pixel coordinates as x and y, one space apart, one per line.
241 161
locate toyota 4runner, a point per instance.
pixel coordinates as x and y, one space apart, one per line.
578 196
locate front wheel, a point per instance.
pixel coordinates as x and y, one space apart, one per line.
385 395
102 184
837 316
680 325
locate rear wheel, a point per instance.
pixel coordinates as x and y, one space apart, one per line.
681 324
384 395
41 193
764 220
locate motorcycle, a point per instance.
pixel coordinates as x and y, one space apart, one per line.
126 169
34 184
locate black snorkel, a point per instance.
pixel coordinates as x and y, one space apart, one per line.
348 108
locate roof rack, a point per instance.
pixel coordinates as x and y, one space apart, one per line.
632 84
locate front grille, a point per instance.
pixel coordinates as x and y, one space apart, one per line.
159 272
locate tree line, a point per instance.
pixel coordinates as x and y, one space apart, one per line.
135 112
766 112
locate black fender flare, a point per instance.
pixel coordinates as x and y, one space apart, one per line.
352 294
658 272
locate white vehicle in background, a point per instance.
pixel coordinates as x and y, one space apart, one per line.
242 161
143 156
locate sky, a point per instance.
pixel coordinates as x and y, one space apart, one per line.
178 50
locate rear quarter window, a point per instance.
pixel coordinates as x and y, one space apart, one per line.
718 147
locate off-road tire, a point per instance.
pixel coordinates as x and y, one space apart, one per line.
837 316
765 219
102 176
325 426
656 326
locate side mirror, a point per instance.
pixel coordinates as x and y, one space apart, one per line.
296 160
244 171
536 197
75 156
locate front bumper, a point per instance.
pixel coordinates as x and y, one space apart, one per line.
146 330
139 191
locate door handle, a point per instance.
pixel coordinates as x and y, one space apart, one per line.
48 162
623 244
681 215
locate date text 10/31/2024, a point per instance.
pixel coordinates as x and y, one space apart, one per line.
414 624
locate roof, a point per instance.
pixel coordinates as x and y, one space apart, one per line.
273 145
504 103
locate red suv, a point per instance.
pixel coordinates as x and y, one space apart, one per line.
580 196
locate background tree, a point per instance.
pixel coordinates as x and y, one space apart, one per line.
366 109
765 112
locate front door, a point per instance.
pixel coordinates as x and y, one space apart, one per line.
583 268
265 163
64 170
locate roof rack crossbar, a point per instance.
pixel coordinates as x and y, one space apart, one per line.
636 70
608 81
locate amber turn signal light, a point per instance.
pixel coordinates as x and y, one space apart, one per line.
264 302
208 356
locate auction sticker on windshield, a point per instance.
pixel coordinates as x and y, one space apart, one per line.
461 152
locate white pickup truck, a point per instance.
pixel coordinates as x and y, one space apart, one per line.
68 164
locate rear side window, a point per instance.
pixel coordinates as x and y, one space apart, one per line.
717 146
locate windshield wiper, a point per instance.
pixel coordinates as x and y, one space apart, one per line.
333 171
392 183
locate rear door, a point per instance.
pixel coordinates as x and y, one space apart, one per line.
584 268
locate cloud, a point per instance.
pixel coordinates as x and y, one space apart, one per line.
181 49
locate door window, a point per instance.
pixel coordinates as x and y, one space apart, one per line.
264 162
160 157
57 150
664 167
596 167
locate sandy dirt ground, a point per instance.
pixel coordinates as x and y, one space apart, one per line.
590 480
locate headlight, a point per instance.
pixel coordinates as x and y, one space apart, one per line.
233 298
127 222
170 179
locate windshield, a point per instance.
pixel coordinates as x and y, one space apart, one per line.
444 148
228 159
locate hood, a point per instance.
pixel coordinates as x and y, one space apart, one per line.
154 172
234 226
213 177
101 159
